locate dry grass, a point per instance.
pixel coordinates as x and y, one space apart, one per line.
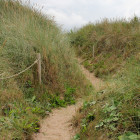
114 41
23 33
117 45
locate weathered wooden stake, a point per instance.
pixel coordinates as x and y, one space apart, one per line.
39 67
93 51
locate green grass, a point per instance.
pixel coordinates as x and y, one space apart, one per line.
24 32
112 113
113 41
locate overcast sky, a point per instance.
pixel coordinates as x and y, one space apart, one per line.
75 13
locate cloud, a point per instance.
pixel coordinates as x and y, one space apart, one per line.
71 13
67 20
132 8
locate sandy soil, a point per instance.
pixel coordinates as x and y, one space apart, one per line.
96 82
58 125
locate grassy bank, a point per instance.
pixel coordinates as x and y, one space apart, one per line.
112 113
24 32
113 40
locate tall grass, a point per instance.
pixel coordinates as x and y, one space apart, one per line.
24 32
115 112
113 40
112 113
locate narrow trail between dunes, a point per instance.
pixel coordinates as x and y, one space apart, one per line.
58 125
96 82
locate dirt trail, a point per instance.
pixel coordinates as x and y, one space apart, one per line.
96 82
58 125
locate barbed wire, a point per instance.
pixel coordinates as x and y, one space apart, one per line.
15 75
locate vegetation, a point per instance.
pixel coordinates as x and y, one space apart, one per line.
113 112
23 33
110 113
113 40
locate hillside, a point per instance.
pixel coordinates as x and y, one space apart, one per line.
113 40
24 32
113 111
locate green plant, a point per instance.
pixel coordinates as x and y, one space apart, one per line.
55 101
112 116
129 136
85 121
87 104
68 99
38 110
69 95
76 137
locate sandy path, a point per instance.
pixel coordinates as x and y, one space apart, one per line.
96 82
58 125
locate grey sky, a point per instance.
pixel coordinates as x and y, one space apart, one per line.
75 13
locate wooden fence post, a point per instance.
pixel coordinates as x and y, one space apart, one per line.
93 51
39 67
